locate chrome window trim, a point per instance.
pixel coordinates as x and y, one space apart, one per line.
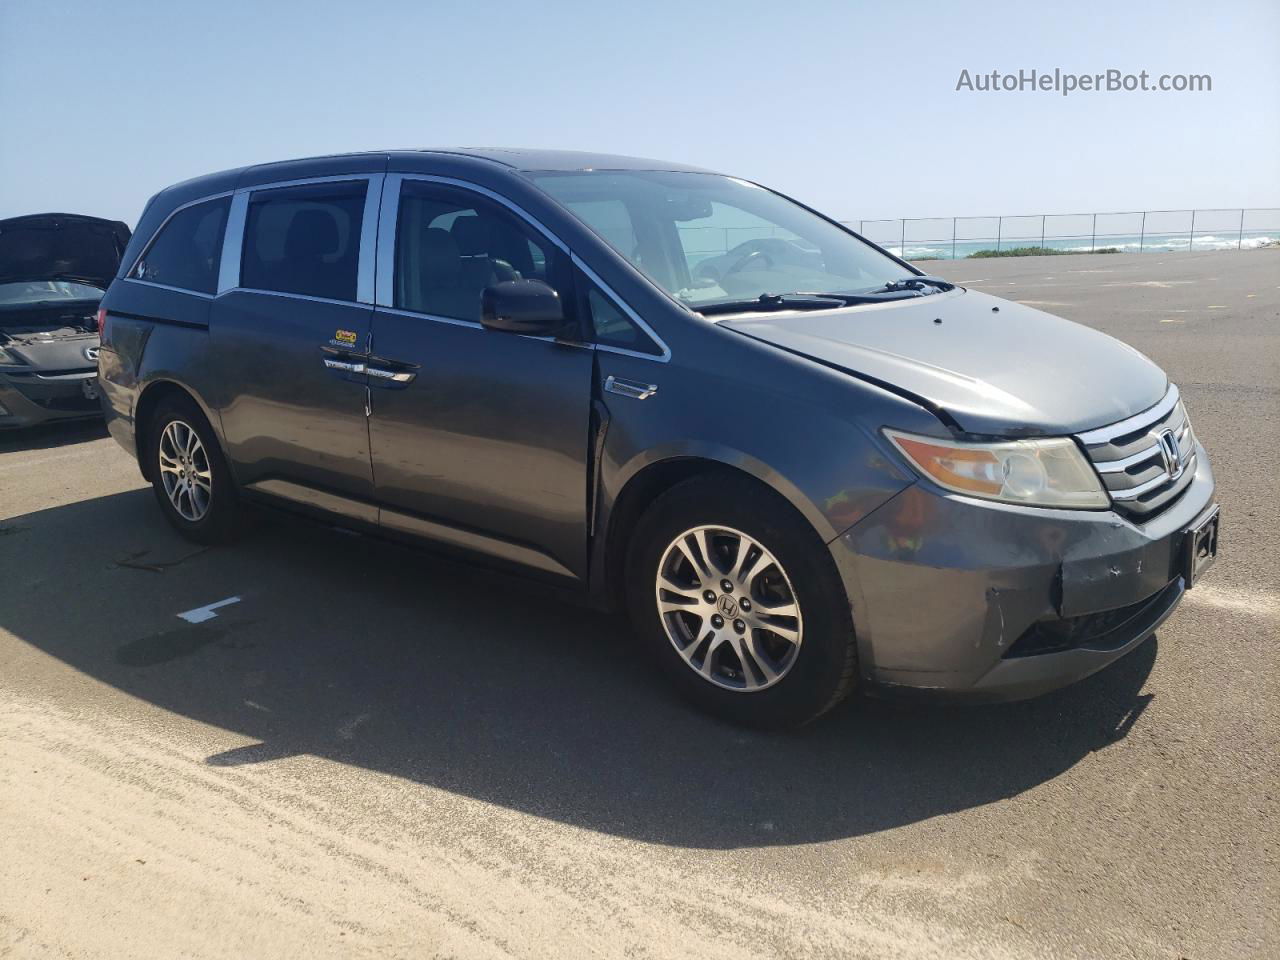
384 292
293 296
233 243
384 286
1139 421
165 286
454 321
128 274
366 270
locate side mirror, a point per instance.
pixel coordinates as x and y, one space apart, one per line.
521 306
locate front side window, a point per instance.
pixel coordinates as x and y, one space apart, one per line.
187 251
709 239
304 239
451 244
610 326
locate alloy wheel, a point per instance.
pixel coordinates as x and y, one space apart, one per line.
184 470
728 608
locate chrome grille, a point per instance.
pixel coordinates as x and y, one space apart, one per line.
1140 473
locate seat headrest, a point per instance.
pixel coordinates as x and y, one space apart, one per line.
471 235
509 244
312 233
441 262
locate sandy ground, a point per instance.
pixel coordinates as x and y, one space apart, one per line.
375 753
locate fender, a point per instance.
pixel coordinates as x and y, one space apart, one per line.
828 516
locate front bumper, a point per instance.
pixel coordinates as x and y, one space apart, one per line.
958 596
29 396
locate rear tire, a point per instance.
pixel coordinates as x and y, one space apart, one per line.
782 658
189 474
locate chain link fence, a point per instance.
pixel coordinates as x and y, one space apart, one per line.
1142 231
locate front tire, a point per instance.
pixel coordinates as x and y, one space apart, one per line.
189 474
740 602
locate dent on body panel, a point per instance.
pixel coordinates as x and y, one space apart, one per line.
929 573
121 356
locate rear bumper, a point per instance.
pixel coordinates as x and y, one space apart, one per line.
29 397
958 597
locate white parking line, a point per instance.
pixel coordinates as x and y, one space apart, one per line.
201 614
1264 606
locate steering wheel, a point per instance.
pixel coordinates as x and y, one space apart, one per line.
753 260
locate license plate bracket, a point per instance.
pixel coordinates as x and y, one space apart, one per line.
1200 548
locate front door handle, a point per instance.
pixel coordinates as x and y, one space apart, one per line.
630 388
395 376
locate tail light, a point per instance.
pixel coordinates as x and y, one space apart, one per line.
101 320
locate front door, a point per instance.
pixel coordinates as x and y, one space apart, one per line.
288 347
479 438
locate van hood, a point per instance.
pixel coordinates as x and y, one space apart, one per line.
61 246
992 366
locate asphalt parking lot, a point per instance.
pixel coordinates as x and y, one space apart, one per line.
375 752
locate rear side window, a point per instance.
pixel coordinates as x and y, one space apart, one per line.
187 251
304 240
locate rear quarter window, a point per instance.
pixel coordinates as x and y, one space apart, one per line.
188 249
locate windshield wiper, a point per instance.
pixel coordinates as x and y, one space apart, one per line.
906 288
775 301
917 283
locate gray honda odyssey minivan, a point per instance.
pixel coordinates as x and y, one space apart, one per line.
802 466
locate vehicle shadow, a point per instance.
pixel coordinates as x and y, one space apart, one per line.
48 435
388 659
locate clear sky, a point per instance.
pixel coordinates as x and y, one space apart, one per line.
851 107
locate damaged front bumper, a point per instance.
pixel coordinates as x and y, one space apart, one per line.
991 601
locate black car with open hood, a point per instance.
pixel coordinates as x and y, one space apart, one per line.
54 268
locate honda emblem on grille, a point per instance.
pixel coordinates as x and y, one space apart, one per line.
1171 455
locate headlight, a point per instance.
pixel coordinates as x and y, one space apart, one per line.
1042 473
7 357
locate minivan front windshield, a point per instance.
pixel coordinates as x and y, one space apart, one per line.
717 243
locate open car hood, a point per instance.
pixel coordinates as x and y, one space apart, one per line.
1011 371
61 246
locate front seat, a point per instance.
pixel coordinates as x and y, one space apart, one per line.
480 266
442 291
